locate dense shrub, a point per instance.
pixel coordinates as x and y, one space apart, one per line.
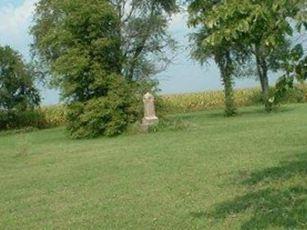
108 115
18 120
297 94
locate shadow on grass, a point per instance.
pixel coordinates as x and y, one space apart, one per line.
282 203
285 171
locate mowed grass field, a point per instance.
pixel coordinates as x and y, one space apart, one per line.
247 172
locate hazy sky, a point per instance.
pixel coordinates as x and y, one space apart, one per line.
182 76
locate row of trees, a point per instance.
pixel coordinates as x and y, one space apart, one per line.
241 33
103 53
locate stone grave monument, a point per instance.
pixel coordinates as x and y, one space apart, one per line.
150 117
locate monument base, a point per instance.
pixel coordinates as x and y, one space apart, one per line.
149 121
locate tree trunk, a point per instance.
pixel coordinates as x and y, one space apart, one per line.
226 69
262 69
230 108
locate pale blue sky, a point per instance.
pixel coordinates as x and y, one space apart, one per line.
182 76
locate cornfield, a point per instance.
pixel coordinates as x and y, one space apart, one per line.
207 100
54 115
189 102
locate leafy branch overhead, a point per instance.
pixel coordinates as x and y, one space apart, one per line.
144 35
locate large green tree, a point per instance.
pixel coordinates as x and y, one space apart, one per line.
17 84
225 54
98 52
222 56
77 42
18 93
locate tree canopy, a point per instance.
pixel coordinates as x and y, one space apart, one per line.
17 83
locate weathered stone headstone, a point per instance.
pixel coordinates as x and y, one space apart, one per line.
150 117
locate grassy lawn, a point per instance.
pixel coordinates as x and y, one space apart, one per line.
246 172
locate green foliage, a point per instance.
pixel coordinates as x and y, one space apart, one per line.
17 88
108 115
100 53
223 53
283 93
296 68
25 119
259 28
18 94
283 87
301 70
230 107
79 43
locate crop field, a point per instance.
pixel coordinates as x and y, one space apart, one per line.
189 102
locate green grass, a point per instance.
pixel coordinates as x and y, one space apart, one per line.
246 172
